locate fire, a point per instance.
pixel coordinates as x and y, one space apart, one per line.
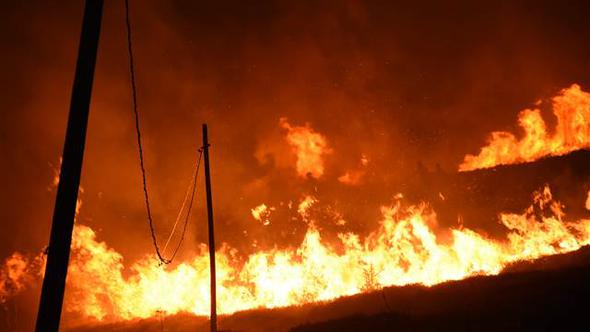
17 273
355 176
310 148
406 248
262 213
306 203
572 110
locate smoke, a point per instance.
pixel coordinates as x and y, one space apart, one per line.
15 276
393 83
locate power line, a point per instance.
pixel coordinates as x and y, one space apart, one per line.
190 205
141 159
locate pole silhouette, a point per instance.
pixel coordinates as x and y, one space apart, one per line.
58 252
213 318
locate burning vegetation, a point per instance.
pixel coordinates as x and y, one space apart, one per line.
571 108
409 246
388 159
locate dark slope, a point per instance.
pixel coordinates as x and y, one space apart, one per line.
478 196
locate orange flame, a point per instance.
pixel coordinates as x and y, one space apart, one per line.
262 213
310 148
18 272
355 176
405 249
572 110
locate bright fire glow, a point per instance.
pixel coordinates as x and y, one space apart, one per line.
404 249
572 111
262 213
17 272
309 146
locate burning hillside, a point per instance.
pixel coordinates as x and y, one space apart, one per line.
409 246
572 132
355 148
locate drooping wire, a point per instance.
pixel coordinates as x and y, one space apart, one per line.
140 150
187 193
188 213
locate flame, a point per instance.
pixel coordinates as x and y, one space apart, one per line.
262 213
404 249
18 272
306 203
12 276
310 148
355 177
572 110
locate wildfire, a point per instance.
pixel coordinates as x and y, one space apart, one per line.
572 110
405 249
17 273
310 148
262 213
355 176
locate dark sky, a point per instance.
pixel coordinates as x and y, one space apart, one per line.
400 81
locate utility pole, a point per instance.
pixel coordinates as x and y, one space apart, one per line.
213 318
58 253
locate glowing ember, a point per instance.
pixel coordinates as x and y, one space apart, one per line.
310 148
262 213
305 205
588 201
572 110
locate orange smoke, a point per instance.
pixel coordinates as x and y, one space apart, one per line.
354 177
309 146
405 249
17 273
572 110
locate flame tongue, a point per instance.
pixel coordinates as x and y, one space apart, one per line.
572 110
310 148
405 249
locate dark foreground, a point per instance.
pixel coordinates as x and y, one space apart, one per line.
552 294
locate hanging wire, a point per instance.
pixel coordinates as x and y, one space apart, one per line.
188 213
159 253
187 193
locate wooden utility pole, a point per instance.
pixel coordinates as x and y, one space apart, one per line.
58 253
213 318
